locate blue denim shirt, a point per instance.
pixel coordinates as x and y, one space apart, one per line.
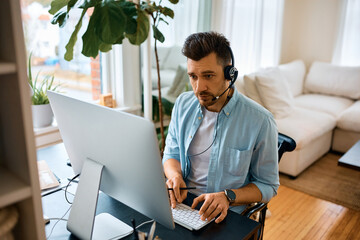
244 151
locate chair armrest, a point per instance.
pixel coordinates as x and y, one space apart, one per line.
253 209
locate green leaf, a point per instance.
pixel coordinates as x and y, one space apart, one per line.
105 47
142 29
174 1
120 40
157 34
112 22
70 4
131 26
73 38
89 3
60 17
91 41
167 12
56 5
161 19
129 8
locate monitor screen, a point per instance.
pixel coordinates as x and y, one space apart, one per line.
126 148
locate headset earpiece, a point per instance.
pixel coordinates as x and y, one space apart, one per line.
230 72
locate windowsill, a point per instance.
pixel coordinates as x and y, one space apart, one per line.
47 136
44 130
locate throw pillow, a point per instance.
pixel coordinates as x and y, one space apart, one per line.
250 88
294 72
335 80
275 92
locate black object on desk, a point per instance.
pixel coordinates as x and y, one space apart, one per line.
234 226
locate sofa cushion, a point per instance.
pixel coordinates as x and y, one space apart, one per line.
250 88
350 118
274 92
324 103
166 76
163 53
294 72
333 80
240 85
175 58
305 125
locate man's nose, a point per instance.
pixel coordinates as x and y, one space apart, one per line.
200 85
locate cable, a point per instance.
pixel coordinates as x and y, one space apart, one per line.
62 218
216 123
217 119
125 234
68 186
150 221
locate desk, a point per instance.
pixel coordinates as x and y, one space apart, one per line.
234 226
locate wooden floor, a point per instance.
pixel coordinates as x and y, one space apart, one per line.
296 215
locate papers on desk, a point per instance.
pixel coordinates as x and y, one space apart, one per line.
46 176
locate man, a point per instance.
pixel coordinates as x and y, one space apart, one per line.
219 141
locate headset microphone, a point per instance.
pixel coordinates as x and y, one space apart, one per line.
230 73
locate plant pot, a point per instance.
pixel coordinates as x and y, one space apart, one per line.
42 115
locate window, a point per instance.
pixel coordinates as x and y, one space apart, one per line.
80 78
254 29
347 50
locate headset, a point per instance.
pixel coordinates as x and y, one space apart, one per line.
230 73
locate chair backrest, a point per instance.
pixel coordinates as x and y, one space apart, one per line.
285 144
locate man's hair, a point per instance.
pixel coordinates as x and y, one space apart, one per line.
199 45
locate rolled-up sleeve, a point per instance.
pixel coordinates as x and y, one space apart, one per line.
171 144
264 168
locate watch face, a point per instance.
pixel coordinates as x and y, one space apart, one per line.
230 195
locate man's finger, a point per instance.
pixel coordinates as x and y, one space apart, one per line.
205 205
222 216
216 212
197 200
172 199
207 212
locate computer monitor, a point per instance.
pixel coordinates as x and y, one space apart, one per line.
117 153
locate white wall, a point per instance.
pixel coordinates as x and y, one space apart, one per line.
310 30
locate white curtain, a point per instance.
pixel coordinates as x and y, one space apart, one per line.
253 28
184 22
347 50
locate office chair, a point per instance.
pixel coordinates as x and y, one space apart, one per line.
285 144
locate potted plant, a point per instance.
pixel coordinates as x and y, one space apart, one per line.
41 109
110 23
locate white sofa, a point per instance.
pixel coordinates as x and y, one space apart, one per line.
169 60
319 109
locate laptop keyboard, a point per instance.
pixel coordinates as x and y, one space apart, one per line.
188 217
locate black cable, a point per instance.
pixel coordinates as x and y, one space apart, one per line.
217 119
68 186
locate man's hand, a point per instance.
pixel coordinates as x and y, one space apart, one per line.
214 204
176 195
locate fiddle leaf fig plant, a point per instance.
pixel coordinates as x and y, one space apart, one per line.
111 21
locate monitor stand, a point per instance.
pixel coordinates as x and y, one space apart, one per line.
82 221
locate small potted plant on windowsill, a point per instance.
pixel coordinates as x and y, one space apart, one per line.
41 109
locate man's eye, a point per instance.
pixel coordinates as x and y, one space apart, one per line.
192 76
209 76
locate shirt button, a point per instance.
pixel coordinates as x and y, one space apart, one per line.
190 136
199 118
227 114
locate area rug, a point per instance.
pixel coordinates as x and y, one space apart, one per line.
326 180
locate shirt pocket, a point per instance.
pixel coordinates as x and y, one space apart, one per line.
237 162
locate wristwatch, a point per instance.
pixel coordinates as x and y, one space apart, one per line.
231 196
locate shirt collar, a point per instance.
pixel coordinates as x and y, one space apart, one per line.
227 109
